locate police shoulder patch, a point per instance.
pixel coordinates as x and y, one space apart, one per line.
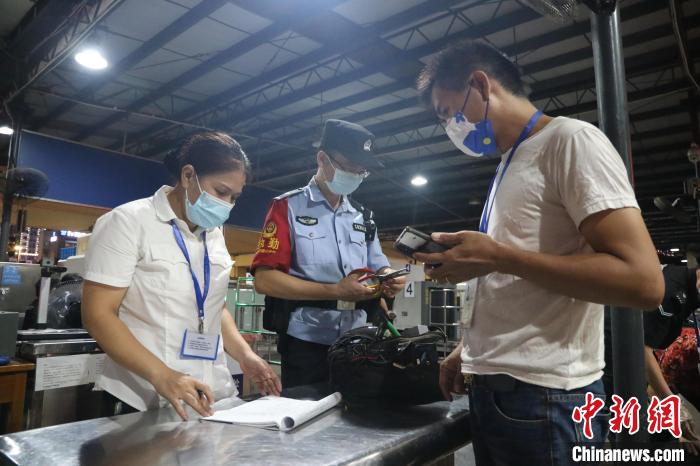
291 193
304 220
359 227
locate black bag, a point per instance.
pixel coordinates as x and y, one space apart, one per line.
368 369
663 325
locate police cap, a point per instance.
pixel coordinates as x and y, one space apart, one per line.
352 141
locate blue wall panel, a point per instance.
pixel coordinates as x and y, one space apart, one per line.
85 175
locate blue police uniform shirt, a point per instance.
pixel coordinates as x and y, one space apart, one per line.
306 238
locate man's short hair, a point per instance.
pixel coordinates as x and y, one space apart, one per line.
450 68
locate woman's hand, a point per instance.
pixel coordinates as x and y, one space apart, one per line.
261 373
177 387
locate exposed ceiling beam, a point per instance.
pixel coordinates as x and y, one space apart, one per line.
296 12
630 40
637 65
272 175
339 46
405 167
629 13
78 25
166 35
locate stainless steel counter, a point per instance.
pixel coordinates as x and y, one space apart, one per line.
416 435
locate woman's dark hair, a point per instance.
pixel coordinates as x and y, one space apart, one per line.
451 67
209 152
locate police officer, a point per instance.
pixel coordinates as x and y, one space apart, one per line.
313 238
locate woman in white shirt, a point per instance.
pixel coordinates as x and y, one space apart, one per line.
157 273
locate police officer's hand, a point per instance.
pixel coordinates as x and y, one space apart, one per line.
261 373
177 387
350 289
391 288
451 379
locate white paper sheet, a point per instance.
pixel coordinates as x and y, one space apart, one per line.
67 371
272 412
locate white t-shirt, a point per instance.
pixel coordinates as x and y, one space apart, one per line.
134 247
559 176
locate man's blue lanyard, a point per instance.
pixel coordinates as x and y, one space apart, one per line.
486 213
201 298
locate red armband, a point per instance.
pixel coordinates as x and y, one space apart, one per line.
274 246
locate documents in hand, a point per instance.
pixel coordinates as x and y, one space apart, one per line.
276 413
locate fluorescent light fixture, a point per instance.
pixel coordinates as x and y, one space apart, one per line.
684 261
6 130
674 250
91 59
419 180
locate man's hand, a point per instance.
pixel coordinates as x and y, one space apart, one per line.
451 378
350 289
471 255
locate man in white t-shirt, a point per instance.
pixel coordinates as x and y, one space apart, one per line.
561 233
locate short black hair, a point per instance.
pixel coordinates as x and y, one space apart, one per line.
451 67
208 152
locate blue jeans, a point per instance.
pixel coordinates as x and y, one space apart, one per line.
529 425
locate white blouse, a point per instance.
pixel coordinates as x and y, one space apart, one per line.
134 247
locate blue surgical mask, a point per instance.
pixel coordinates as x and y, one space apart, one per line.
344 183
474 139
209 211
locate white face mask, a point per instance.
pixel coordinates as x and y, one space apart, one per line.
344 183
473 139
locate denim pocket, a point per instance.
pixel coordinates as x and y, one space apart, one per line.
519 407
562 406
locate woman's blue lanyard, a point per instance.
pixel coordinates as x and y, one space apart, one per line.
486 214
207 271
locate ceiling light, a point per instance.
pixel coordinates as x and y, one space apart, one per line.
92 59
674 250
6 130
684 260
419 180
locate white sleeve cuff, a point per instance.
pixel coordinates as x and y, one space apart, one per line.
107 280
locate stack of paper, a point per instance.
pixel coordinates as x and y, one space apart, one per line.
275 413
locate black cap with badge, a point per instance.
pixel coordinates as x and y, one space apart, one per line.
352 141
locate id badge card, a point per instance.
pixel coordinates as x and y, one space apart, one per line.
468 301
197 345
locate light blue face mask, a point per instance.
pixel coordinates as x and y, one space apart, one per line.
209 211
344 183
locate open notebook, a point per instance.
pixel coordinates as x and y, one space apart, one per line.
275 413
